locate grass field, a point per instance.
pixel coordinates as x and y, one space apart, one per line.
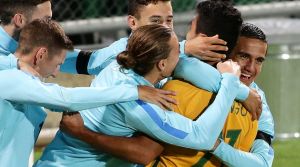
287 153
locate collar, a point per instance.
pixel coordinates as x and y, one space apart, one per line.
7 42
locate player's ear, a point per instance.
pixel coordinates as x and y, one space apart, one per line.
41 55
161 65
132 22
19 20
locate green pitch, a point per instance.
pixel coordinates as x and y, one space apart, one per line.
287 153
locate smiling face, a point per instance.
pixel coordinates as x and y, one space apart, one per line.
250 54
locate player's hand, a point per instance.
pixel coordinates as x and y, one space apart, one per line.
204 48
27 68
229 67
72 124
253 104
157 96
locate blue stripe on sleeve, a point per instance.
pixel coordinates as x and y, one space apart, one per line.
164 126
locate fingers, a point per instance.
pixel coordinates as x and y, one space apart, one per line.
213 47
216 40
165 105
212 56
254 116
166 92
169 99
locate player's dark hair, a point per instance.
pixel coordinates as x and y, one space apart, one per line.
134 6
146 46
44 33
8 8
219 17
252 31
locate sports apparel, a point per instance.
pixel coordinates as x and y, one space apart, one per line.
124 119
239 130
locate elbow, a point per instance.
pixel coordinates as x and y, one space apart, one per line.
149 156
150 153
207 143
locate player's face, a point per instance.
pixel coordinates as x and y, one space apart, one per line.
160 13
173 57
42 10
249 54
50 66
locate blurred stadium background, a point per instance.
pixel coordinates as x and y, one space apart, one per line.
93 24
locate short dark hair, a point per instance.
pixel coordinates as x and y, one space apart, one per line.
134 6
44 33
146 46
252 31
8 8
219 17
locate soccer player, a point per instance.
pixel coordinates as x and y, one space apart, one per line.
22 120
151 55
250 54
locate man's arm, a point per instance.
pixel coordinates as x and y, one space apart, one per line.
175 129
138 149
92 62
260 155
85 62
25 88
203 76
266 121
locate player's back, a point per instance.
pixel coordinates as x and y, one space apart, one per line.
239 130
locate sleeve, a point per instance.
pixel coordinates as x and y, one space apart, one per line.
85 62
266 121
8 62
175 129
260 155
26 89
69 66
204 76
182 46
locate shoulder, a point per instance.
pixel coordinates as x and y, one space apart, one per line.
113 75
17 75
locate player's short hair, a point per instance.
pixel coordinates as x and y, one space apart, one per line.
146 46
134 6
44 33
219 17
252 31
8 8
